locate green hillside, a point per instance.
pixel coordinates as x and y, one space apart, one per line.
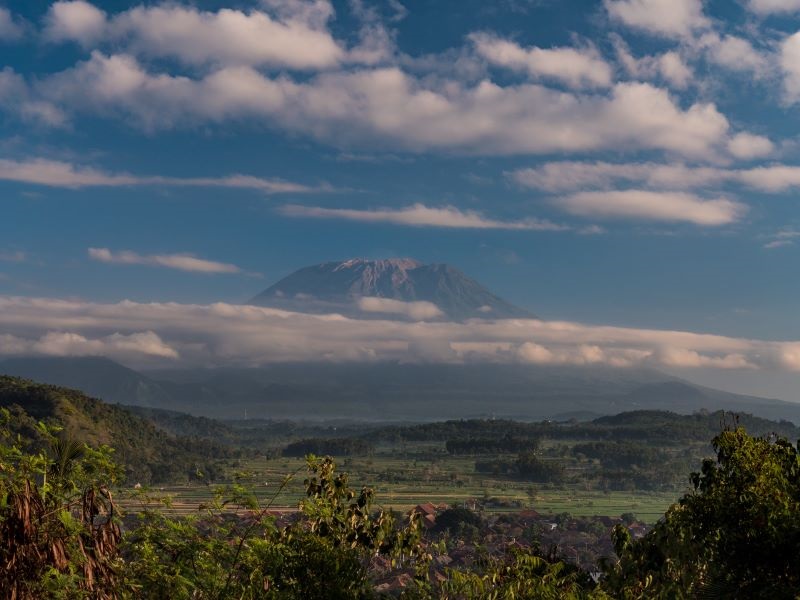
150 454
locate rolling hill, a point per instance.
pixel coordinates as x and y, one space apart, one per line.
148 453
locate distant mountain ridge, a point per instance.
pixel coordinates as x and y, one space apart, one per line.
386 392
338 286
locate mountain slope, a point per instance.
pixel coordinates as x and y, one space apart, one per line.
148 453
94 375
337 287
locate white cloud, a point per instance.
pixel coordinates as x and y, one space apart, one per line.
225 334
417 311
575 67
766 7
53 173
76 21
134 346
575 175
734 53
17 98
10 29
181 262
668 66
381 107
668 18
747 145
227 37
296 38
653 206
682 357
790 64
674 70
419 215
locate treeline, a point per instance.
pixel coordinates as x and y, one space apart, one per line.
329 447
508 444
652 426
622 455
528 466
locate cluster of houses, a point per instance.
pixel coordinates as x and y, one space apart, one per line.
579 540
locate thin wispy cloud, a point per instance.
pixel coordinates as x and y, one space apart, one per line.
11 30
581 175
16 256
181 262
420 215
779 239
672 207
53 173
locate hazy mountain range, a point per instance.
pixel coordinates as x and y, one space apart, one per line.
392 392
343 286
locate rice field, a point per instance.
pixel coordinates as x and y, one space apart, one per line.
402 481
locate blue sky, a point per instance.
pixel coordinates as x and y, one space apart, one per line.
630 163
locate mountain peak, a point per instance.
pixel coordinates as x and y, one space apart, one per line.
380 264
338 287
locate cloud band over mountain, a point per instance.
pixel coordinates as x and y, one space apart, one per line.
191 334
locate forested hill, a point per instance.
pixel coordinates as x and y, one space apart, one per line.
148 453
643 425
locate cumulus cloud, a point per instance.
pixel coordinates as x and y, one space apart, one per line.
790 65
292 37
734 53
419 215
181 262
576 175
76 21
54 173
225 334
746 145
649 205
668 66
134 346
667 18
575 67
17 98
386 106
416 311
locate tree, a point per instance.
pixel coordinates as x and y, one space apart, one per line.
59 536
737 534
235 550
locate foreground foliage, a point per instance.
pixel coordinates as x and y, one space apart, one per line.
736 535
59 535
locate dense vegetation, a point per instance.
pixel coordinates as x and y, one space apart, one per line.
332 446
736 534
148 453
